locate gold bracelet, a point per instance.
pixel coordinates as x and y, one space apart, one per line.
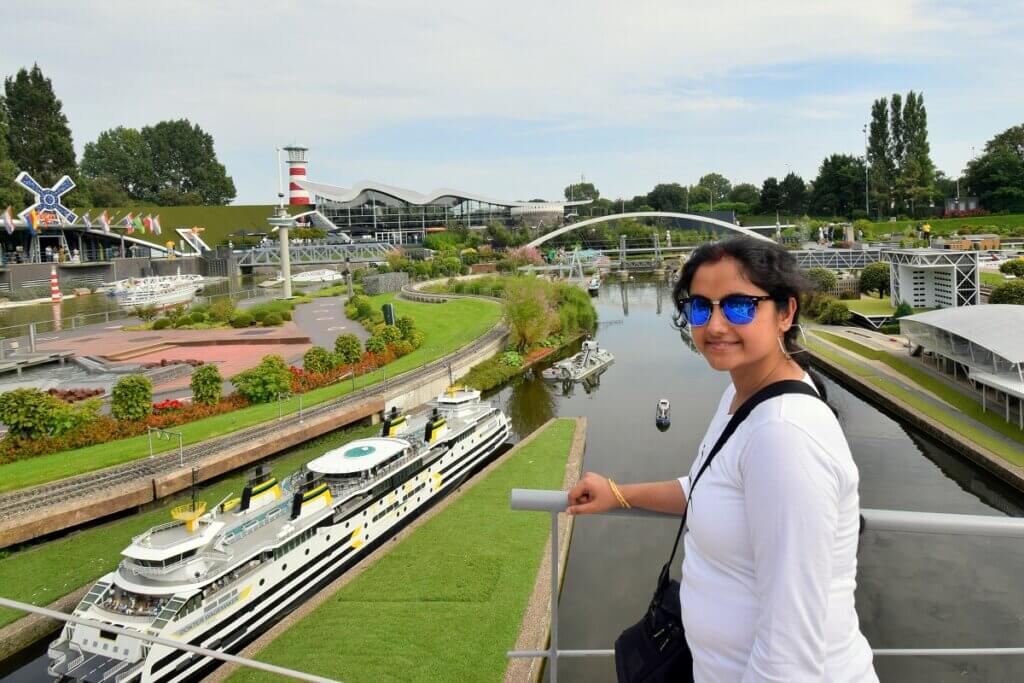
623 503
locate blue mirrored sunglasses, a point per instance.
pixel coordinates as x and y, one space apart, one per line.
738 309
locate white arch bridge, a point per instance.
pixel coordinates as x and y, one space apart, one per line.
714 222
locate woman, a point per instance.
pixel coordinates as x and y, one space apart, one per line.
770 562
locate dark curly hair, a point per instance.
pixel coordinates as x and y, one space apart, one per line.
766 265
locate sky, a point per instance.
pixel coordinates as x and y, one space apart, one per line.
517 100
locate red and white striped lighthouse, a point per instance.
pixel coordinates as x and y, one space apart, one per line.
54 286
297 171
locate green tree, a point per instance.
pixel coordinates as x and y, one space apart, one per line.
839 187
578 191
185 166
1011 292
997 175
917 174
718 184
120 154
11 194
1013 267
698 194
105 191
318 359
667 197
771 195
880 155
793 191
875 278
207 385
132 398
745 193
28 413
38 136
835 313
529 310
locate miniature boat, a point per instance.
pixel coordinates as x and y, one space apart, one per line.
594 286
662 416
217 577
589 360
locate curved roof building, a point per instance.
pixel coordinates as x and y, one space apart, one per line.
395 214
986 340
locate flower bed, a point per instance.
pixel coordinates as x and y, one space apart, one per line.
72 395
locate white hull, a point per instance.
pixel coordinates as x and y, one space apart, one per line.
312 559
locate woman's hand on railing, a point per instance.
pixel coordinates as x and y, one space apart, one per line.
591 495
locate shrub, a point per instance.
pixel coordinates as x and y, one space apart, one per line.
903 309
390 334
822 279
1011 292
360 306
161 324
260 314
1014 267
272 320
181 321
512 359
348 348
416 338
206 385
834 313
319 359
375 345
241 319
402 347
222 310
132 398
146 313
286 315
406 326
197 317
27 413
264 382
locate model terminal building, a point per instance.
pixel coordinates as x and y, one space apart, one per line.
393 214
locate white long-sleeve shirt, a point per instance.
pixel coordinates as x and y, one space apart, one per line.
771 550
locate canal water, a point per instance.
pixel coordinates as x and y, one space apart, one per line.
88 310
914 590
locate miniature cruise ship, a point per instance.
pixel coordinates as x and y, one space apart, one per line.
217 578
157 290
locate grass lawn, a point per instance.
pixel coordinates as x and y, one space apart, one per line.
43 573
991 279
964 404
219 221
447 326
946 226
869 305
447 602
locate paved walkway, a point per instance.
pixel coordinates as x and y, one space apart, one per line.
324 319
896 346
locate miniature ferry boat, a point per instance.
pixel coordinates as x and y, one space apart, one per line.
662 415
217 578
589 360
321 275
156 291
594 286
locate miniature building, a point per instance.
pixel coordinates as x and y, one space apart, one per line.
930 278
966 242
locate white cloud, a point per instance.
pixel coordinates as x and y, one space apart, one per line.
260 73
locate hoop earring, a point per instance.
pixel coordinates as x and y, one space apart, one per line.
783 347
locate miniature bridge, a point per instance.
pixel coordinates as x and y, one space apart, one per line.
712 222
310 254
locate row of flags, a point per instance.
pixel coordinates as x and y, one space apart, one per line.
36 221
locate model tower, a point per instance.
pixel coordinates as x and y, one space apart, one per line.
297 172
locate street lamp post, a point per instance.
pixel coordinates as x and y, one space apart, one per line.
867 159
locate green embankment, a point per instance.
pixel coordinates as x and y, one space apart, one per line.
870 306
43 573
218 221
446 326
991 279
446 603
946 226
966 405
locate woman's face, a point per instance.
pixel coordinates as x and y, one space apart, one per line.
727 346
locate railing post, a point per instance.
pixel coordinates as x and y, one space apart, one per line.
553 649
32 337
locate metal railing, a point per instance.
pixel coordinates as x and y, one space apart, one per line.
166 642
554 502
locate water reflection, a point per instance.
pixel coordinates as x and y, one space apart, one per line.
914 590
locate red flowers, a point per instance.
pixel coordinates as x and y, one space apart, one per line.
168 405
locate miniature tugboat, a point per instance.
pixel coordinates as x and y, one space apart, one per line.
594 286
589 360
218 577
662 418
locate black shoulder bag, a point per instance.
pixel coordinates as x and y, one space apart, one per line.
654 649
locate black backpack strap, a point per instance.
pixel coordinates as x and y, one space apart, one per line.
786 386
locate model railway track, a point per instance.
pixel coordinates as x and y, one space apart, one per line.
65 491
